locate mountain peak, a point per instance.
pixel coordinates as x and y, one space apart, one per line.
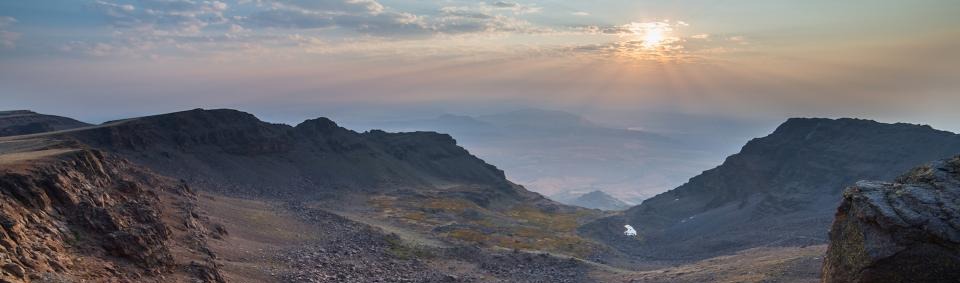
211 115
318 125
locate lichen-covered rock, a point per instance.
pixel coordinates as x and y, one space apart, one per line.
79 214
906 231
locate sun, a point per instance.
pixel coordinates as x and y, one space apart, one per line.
651 34
653 38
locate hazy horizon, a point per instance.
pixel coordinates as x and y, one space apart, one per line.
497 120
716 74
617 62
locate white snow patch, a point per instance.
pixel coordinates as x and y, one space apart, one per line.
630 231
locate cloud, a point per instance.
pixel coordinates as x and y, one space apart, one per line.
363 16
372 18
580 14
739 39
156 28
8 39
516 8
656 41
466 19
165 16
347 6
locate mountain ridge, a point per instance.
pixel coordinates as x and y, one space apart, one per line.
25 122
779 190
205 139
418 181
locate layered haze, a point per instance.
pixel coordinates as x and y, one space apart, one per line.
712 72
564 156
479 141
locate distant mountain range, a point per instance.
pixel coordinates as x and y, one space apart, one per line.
780 190
552 152
594 199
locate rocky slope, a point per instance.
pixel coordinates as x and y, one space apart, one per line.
905 231
23 122
70 214
780 190
420 181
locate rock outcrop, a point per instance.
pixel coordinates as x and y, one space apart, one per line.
70 214
23 122
905 231
780 190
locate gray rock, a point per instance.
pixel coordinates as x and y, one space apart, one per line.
905 231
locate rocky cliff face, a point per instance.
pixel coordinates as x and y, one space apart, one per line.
23 122
779 190
70 214
905 231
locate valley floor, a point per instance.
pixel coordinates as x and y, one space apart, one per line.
277 242
271 242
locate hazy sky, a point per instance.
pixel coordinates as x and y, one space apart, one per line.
614 60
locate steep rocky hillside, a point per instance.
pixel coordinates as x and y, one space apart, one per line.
905 231
71 214
780 190
23 122
419 181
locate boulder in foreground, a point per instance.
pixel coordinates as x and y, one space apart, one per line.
906 231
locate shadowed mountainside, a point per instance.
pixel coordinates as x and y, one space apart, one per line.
235 152
420 181
24 122
393 201
780 190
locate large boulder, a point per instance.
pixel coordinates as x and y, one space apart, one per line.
905 231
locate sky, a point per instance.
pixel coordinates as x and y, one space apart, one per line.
622 62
